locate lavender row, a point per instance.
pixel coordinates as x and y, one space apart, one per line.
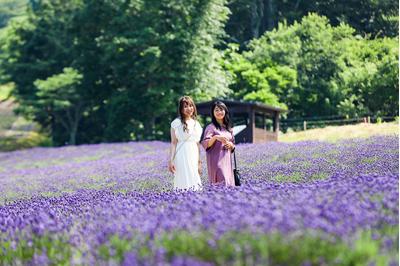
142 166
333 191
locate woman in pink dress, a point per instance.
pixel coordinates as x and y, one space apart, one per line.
218 142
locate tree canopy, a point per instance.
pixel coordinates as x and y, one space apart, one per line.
318 70
133 67
254 17
91 71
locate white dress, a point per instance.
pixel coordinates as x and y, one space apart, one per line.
187 155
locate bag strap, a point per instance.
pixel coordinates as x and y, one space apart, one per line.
234 151
234 158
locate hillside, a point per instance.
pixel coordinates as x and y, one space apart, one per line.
335 133
10 9
15 131
7 116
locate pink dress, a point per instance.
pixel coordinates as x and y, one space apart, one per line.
219 162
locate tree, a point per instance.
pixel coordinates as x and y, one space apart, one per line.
133 67
251 18
318 70
38 47
251 83
369 77
59 96
154 63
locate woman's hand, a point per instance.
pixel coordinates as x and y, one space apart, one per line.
200 170
229 145
171 167
221 139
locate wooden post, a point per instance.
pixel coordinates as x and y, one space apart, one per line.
264 123
305 125
252 124
276 125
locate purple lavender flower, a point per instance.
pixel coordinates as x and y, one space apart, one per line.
84 196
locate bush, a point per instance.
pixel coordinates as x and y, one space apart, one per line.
26 141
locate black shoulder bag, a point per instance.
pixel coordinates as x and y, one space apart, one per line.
236 173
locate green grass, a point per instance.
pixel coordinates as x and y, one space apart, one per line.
6 121
56 249
232 248
294 177
32 139
241 248
16 139
370 160
5 90
6 113
235 248
145 185
319 176
336 133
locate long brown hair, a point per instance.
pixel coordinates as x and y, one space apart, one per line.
182 101
227 118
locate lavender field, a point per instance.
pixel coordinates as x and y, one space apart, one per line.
305 203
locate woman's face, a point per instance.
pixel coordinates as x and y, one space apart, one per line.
219 113
188 109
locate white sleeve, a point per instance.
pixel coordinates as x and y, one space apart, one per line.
199 131
175 123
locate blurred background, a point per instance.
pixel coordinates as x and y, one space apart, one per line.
91 71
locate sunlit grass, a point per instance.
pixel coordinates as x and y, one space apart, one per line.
5 90
335 133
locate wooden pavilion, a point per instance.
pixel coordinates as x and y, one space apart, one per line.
253 122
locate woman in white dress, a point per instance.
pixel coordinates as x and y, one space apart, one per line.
185 148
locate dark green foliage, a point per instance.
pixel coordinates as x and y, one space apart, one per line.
251 18
137 57
369 77
133 67
318 70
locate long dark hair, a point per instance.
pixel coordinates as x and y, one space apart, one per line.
227 118
182 101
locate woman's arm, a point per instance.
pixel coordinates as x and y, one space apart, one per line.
219 138
210 138
211 142
230 144
174 141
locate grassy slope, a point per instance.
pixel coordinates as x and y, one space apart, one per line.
5 91
335 133
6 113
12 8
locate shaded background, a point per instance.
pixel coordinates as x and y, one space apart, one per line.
88 71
